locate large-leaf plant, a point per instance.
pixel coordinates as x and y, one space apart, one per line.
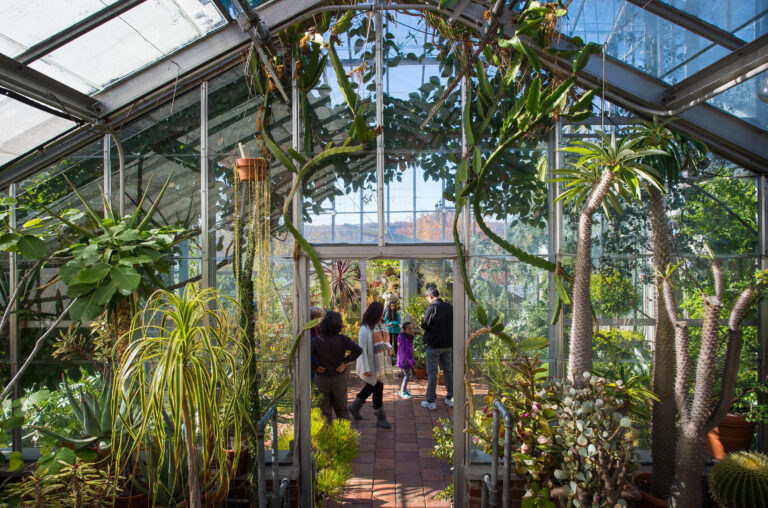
113 259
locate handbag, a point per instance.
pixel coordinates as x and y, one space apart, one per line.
382 361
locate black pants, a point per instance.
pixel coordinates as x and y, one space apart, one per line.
393 342
378 393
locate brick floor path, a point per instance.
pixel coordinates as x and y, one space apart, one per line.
395 468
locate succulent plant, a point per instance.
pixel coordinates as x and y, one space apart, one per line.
740 480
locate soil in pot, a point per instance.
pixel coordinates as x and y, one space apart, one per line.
642 481
733 434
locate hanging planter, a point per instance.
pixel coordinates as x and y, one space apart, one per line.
252 169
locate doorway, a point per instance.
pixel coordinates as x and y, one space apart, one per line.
419 265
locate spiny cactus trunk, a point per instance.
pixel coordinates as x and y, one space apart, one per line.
663 413
580 355
696 415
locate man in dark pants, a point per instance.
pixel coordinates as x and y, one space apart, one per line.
437 324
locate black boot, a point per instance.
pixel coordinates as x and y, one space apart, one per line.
381 419
354 408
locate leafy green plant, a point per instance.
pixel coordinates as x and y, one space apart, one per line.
443 435
612 294
748 401
597 439
336 445
94 415
740 480
183 380
113 258
76 485
419 352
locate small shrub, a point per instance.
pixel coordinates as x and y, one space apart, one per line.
336 445
612 294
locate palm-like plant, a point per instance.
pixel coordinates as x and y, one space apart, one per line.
680 152
183 380
341 276
605 174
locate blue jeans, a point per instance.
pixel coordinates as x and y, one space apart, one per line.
441 356
407 374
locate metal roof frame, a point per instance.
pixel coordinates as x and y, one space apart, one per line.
627 86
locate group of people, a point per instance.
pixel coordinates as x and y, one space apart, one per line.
382 337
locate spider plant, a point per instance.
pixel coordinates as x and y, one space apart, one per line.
185 377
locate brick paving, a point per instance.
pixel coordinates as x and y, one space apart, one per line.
395 467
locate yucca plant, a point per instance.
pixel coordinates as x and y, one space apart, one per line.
184 380
605 174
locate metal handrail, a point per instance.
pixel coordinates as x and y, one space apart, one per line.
490 494
280 495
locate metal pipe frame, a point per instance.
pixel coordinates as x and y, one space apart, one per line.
690 23
460 441
277 492
82 27
302 390
556 332
35 85
13 321
107 183
207 211
379 47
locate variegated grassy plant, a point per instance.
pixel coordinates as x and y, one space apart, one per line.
183 378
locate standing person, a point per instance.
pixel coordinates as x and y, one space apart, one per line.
392 319
405 359
330 351
437 324
374 364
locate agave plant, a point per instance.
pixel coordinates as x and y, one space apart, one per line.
341 275
605 174
94 415
184 381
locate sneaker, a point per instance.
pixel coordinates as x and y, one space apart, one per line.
429 405
404 395
449 402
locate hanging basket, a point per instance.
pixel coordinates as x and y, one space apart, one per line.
253 168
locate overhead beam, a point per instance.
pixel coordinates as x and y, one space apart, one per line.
690 23
633 89
71 33
737 67
35 85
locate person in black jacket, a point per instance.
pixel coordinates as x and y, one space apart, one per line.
437 324
330 352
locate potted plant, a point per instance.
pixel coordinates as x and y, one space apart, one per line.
420 356
252 169
183 382
736 431
740 480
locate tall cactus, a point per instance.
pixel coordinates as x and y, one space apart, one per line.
696 414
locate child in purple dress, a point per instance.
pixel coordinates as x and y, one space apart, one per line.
405 358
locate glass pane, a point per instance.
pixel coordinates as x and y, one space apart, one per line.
128 43
745 19
25 128
46 17
640 38
340 202
742 101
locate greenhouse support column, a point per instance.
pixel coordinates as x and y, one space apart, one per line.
555 228
762 355
302 395
207 212
107 183
380 121
363 286
13 321
459 393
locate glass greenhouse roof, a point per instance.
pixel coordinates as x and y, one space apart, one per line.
655 45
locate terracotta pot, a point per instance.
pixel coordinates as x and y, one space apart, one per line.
440 379
733 434
252 168
420 373
136 501
649 501
242 461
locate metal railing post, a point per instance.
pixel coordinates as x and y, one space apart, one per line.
275 461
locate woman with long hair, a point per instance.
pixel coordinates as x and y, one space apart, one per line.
374 364
392 320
